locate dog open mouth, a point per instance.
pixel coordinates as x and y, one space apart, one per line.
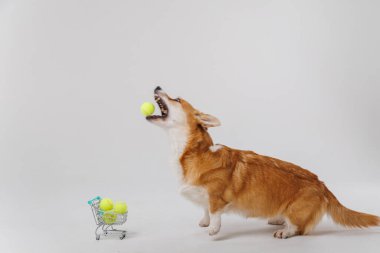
162 105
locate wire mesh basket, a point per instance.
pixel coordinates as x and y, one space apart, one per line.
105 220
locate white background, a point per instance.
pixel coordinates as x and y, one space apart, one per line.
298 80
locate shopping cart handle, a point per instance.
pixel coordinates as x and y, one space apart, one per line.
92 200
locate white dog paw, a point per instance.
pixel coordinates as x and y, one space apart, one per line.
283 233
204 222
212 230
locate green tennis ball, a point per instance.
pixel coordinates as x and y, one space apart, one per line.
120 207
109 218
147 109
106 204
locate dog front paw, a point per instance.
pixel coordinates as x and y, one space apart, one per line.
204 222
283 234
213 230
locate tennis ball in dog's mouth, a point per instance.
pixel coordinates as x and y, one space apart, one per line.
106 204
147 109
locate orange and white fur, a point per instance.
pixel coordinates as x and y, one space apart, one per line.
221 179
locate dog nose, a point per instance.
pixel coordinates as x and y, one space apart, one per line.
157 88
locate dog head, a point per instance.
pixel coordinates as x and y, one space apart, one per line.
178 113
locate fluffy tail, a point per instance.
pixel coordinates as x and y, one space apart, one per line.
347 217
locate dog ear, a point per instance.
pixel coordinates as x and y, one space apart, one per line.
207 120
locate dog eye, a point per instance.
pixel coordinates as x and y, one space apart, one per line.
177 100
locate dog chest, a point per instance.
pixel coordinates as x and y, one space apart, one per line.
196 194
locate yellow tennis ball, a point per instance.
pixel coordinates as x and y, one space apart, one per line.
109 218
120 207
147 109
106 204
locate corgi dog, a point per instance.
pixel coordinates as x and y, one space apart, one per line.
221 179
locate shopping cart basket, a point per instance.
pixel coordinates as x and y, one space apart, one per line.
106 220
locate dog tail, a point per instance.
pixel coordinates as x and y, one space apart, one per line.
347 217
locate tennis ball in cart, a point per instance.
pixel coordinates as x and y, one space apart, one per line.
109 217
120 207
106 204
147 109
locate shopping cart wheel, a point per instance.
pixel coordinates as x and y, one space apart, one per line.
97 237
122 236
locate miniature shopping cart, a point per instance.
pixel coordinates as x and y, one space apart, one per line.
105 220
